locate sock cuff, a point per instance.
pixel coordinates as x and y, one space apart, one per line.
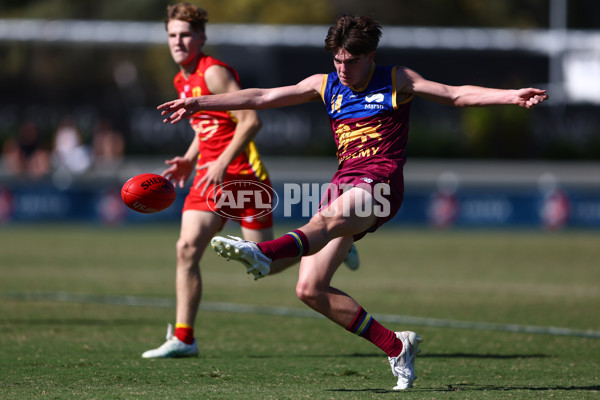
361 322
364 325
182 325
301 241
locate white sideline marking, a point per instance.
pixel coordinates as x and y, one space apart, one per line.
295 312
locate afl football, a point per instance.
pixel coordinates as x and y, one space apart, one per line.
148 193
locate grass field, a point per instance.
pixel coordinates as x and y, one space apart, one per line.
70 327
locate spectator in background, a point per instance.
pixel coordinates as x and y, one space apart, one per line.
444 208
108 146
25 154
555 210
69 151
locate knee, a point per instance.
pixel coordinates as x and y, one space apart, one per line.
186 251
322 222
328 225
307 293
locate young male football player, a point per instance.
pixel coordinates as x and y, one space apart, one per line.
221 152
368 107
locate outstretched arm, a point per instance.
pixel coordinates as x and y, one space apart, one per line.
467 96
247 99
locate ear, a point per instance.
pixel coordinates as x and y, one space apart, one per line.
371 56
202 38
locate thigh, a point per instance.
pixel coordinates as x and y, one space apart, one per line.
317 270
384 182
348 214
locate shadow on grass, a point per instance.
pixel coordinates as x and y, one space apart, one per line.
427 355
504 388
375 391
483 356
474 388
321 355
78 322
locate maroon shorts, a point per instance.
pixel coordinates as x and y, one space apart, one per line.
385 184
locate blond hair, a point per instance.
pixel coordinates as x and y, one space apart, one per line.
196 16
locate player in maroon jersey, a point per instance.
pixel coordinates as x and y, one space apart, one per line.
368 108
224 157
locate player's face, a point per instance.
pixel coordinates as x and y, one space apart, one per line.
352 70
185 44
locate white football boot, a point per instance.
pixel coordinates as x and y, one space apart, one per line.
352 261
248 253
403 366
173 348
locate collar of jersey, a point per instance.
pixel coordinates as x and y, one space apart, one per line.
371 71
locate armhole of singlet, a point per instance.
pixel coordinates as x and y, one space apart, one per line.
395 103
323 87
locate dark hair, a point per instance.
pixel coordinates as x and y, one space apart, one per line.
196 16
357 35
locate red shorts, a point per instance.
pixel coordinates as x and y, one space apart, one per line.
241 198
385 184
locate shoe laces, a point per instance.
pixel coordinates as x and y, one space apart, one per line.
402 365
237 238
253 254
256 253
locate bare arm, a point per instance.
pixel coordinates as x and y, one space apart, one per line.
466 96
247 99
219 80
180 168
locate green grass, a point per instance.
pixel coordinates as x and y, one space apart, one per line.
65 350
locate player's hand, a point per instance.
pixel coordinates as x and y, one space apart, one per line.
214 176
179 170
530 97
179 109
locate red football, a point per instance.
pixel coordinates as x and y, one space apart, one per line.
148 193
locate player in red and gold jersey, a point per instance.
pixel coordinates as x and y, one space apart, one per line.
222 151
215 129
224 146
226 162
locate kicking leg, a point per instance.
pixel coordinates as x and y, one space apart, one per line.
340 218
262 235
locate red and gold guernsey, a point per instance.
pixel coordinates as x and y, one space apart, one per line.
370 124
215 129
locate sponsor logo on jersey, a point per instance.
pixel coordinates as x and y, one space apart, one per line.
373 99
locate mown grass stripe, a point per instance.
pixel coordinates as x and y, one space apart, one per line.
294 312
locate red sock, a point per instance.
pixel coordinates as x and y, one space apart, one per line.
366 326
292 244
184 332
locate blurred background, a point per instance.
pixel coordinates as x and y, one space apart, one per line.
81 81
